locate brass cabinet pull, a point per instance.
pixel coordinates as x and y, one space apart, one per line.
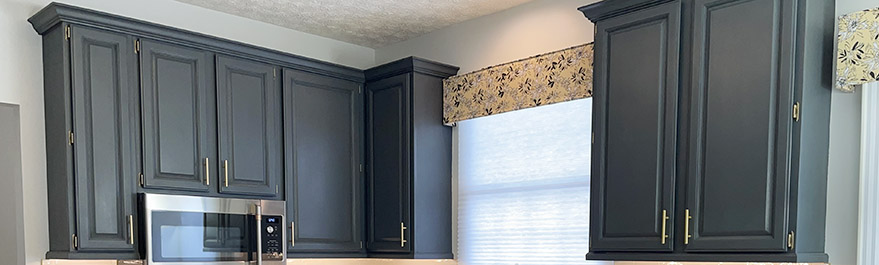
790 240
665 219
687 228
130 230
226 172
796 111
292 234
402 235
207 172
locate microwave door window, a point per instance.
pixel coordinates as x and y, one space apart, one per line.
202 237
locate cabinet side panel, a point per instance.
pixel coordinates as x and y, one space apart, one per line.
432 182
815 80
56 87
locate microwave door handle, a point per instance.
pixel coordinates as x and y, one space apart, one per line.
258 234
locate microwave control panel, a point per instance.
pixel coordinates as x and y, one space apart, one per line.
273 237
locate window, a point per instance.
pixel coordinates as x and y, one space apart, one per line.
868 240
523 186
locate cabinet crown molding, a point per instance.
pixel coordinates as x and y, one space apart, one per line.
411 64
57 13
611 8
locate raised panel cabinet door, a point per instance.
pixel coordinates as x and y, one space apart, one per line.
179 117
323 138
635 119
740 125
388 146
249 105
103 72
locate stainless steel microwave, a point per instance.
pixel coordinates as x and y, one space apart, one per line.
190 230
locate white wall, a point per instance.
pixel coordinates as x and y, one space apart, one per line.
549 25
21 76
523 31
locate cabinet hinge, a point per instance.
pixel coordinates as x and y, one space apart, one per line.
140 179
136 46
274 73
360 90
791 237
361 168
70 137
67 32
361 244
75 241
796 111
276 189
593 137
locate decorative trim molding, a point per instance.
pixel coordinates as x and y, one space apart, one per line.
868 221
857 60
540 80
62 14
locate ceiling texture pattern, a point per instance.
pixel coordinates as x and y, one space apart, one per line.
370 23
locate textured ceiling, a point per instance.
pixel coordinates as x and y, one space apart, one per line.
371 23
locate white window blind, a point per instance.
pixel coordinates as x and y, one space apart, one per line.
523 186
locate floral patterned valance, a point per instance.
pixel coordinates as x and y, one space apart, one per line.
540 80
858 48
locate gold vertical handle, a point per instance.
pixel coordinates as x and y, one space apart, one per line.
664 224
402 235
292 234
226 172
130 230
687 228
207 172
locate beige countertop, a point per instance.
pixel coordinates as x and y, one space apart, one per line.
399 262
289 262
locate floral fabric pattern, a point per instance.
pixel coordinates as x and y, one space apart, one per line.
858 49
540 80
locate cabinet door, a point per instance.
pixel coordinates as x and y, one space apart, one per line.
104 141
738 160
635 119
389 172
249 105
179 124
322 139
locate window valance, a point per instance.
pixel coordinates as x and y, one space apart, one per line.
540 80
858 49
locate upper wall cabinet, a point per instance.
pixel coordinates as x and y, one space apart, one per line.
133 106
409 161
323 139
180 124
740 133
635 116
249 107
92 150
746 179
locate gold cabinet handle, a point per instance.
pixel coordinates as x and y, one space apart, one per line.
687 227
226 172
402 235
130 230
664 224
292 234
207 172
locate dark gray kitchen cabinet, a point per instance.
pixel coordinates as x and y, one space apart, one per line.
180 117
249 125
323 139
749 174
408 161
389 200
635 142
738 167
92 155
103 138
